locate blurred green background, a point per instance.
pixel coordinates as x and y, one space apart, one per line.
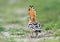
14 16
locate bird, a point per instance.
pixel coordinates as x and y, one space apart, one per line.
33 24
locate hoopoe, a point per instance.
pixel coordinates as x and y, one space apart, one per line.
36 27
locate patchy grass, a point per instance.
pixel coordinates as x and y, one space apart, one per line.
7 40
57 33
48 40
19 31
1 29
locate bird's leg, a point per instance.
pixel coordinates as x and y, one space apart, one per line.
36 34
32 35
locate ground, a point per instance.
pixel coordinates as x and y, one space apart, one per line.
14 20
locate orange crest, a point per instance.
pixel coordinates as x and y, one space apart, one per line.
32 14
